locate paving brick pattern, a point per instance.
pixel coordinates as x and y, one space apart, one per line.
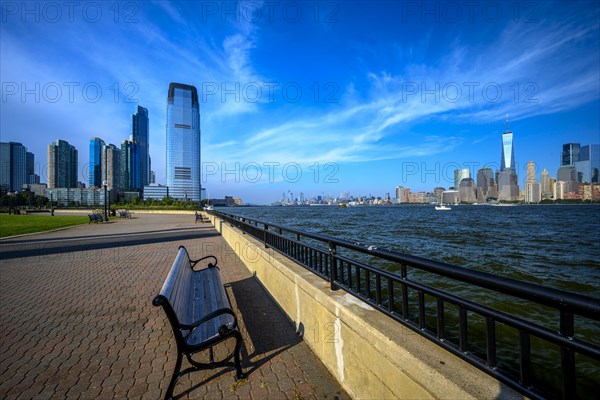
76 319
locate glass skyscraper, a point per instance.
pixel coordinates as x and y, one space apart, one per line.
62 165
141 155
95 167
126 165
508 186
13 166
508 152
570 154
183 142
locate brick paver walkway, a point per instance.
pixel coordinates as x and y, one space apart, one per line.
76 319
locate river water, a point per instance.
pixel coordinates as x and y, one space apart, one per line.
552 245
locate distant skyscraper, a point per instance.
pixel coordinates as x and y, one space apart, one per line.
13 166
508 186
545 185
508 151
566 173
31 176
530 172
183 142
570 154
467 190
141 154
567 176
486 185
95 166
459 175
62 165
126 165
533 194
111 167
588 163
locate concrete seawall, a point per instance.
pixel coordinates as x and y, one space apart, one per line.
371 355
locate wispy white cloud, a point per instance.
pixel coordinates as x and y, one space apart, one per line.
520 63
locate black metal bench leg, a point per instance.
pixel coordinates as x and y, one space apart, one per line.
176 371
238 348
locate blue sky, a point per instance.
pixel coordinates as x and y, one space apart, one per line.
313 97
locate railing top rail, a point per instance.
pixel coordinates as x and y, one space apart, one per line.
563 300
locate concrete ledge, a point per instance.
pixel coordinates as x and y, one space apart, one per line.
371 355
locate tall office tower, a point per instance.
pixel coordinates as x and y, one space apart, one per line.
588 163
111 167
459 175
13 166
95 166
183 142
141 154
533 194
62 165
467 191
126 165
30 175
530 172
567 174
508 186
545 185
570 154
485 183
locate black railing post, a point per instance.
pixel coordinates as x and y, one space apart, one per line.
266 228
333 266
567 357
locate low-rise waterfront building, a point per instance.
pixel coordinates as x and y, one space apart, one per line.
89 197
155 191
450 197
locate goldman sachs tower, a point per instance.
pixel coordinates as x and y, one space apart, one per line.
508 186
183 142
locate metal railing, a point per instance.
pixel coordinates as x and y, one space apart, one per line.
394 295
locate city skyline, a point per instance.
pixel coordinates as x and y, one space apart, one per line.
579 164
391 90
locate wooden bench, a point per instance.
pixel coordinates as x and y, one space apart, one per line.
95 218
200 314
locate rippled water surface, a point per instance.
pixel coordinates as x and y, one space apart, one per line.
557 246
552 245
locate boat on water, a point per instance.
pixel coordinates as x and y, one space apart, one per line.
441 206
208 207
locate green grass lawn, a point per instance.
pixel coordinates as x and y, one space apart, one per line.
11 225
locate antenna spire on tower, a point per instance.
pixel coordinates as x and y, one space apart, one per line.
506 122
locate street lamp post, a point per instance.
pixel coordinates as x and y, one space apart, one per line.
51 205
105 202
105 183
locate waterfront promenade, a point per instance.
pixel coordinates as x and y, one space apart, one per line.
77 321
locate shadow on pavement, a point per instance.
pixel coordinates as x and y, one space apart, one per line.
268 331
12 250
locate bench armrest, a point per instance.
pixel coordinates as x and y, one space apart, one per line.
210 316
210 265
